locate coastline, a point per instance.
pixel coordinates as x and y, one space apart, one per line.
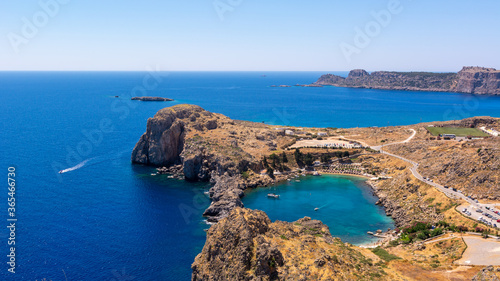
347 175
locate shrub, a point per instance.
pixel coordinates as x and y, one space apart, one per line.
383 254
245 175
435 232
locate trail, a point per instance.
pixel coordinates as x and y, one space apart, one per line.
112 157
76 167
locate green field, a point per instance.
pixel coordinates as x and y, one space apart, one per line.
459 132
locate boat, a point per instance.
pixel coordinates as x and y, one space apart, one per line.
316 209
316 173
153 174
273 195
61 171
297 180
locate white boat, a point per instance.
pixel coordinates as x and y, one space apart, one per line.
316 209
153 174
316 173
273 195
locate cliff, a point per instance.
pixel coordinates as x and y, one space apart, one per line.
208 146
248 246
472 80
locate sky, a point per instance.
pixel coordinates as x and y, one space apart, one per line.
244 35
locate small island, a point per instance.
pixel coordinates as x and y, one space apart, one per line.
151 99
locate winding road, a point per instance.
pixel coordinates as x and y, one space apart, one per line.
447 191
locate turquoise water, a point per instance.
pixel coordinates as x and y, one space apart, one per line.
110 220
344 203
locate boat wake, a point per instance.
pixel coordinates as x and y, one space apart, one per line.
76 167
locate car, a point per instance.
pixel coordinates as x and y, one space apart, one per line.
487 208
479 211
498 220
454 189
464 210
475 200
445 186
495 225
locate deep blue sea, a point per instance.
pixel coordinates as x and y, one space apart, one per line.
105 219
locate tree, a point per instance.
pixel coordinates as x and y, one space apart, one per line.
270 172
298 157
325 158
283 157
309 159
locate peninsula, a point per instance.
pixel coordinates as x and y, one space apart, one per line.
471 80
423 175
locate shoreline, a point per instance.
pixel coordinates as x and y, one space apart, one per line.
347 175
378 241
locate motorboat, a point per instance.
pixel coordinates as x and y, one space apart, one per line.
273 195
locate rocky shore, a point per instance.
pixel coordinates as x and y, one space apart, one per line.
471 80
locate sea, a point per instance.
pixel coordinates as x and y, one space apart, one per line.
103 218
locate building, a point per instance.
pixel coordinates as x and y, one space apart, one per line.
322 134
448 136
289 132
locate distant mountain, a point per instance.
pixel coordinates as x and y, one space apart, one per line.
472 80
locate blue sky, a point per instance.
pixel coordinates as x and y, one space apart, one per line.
249 35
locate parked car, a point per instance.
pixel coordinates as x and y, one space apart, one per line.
454 189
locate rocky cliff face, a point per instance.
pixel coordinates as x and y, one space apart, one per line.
208 146
248 246
473 80
478 80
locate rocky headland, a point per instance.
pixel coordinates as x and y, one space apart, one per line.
151 99
206 146
248 246
471 80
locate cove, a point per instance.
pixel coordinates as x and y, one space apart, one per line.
345 203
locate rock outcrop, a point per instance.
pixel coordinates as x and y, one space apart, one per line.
472 80
248 246
488 273
151 99
208 146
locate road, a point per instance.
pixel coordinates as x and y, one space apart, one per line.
474 205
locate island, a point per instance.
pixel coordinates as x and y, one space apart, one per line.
151 99
428 177
471 80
